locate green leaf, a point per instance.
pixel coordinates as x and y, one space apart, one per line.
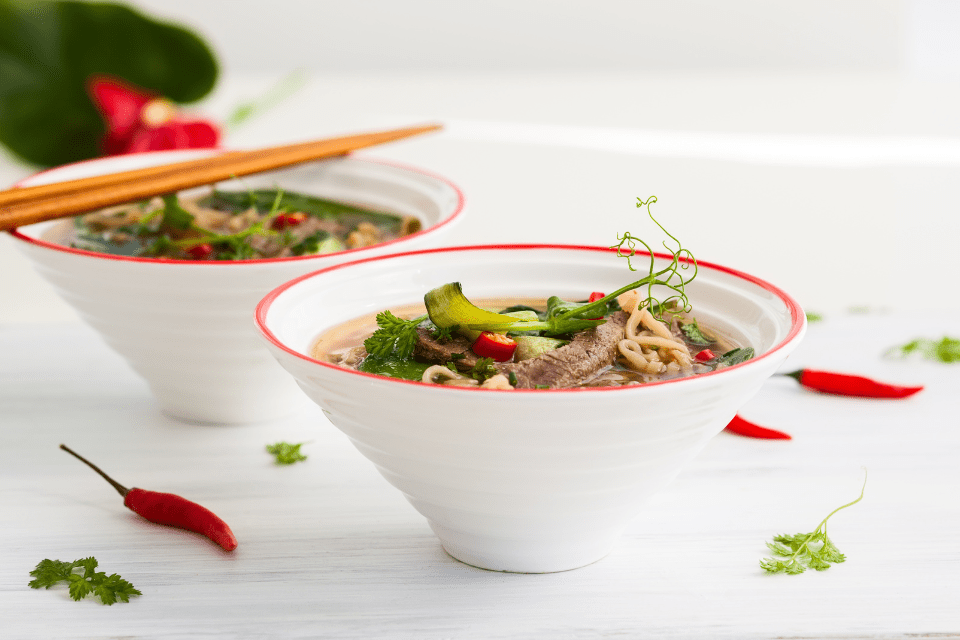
394 366
394 334
48 50
286 453
946 350
80 585
694 333
735 356
174 216
483 369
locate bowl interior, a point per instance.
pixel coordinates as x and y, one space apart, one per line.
749 311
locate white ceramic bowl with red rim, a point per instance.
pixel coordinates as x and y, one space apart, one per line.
185 326
536 480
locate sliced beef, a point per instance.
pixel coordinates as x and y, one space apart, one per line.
432 350
574 363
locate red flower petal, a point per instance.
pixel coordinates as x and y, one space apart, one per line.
119 102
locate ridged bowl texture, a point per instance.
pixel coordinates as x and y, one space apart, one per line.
534 480
186 327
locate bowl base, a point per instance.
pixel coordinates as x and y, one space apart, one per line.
524 556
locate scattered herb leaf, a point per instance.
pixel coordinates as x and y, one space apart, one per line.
109 588
794 554
444 334
814 317
945 350
286 453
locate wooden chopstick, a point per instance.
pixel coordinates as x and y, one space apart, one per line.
29 205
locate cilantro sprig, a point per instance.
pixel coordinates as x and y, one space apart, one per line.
286 453
946 350
83 579
393 334
794 554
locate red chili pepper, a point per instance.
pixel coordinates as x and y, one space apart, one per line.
841 384
200 251
741 427
494 345
169 509
704 355
285 220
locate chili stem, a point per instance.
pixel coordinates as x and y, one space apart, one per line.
122 490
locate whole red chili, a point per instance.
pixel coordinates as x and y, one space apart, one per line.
841 384
169 509
741 427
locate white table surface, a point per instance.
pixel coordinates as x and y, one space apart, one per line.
841 190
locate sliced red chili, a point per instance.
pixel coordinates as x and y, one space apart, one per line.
596 295
704 355
494 345
169 509
741 427
842 384
200 251
285 220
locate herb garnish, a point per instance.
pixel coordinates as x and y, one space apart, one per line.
109 588
393 334
735 356
483 370
286 453
795 554
945 350
694 333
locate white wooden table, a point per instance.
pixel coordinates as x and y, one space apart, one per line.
329 549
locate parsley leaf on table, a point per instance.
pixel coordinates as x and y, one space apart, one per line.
945 350
794 554
286 453
109 588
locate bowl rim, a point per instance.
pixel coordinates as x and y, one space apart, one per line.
16 233
797 317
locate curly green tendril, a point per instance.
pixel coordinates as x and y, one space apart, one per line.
670 277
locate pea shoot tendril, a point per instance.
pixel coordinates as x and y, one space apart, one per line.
675 281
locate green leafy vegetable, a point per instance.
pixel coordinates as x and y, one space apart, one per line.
394 366
795 554
83 583
945 350
319 241
48 51
392 335
694 333
444 334
286 453
735 356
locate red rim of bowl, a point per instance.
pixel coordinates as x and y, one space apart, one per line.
797 317
16 233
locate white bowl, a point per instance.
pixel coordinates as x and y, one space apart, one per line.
536 480
185 326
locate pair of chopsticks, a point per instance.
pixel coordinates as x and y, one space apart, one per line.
29 205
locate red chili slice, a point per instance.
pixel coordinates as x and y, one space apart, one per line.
494 345
200 251
596 295
704 355
285 220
